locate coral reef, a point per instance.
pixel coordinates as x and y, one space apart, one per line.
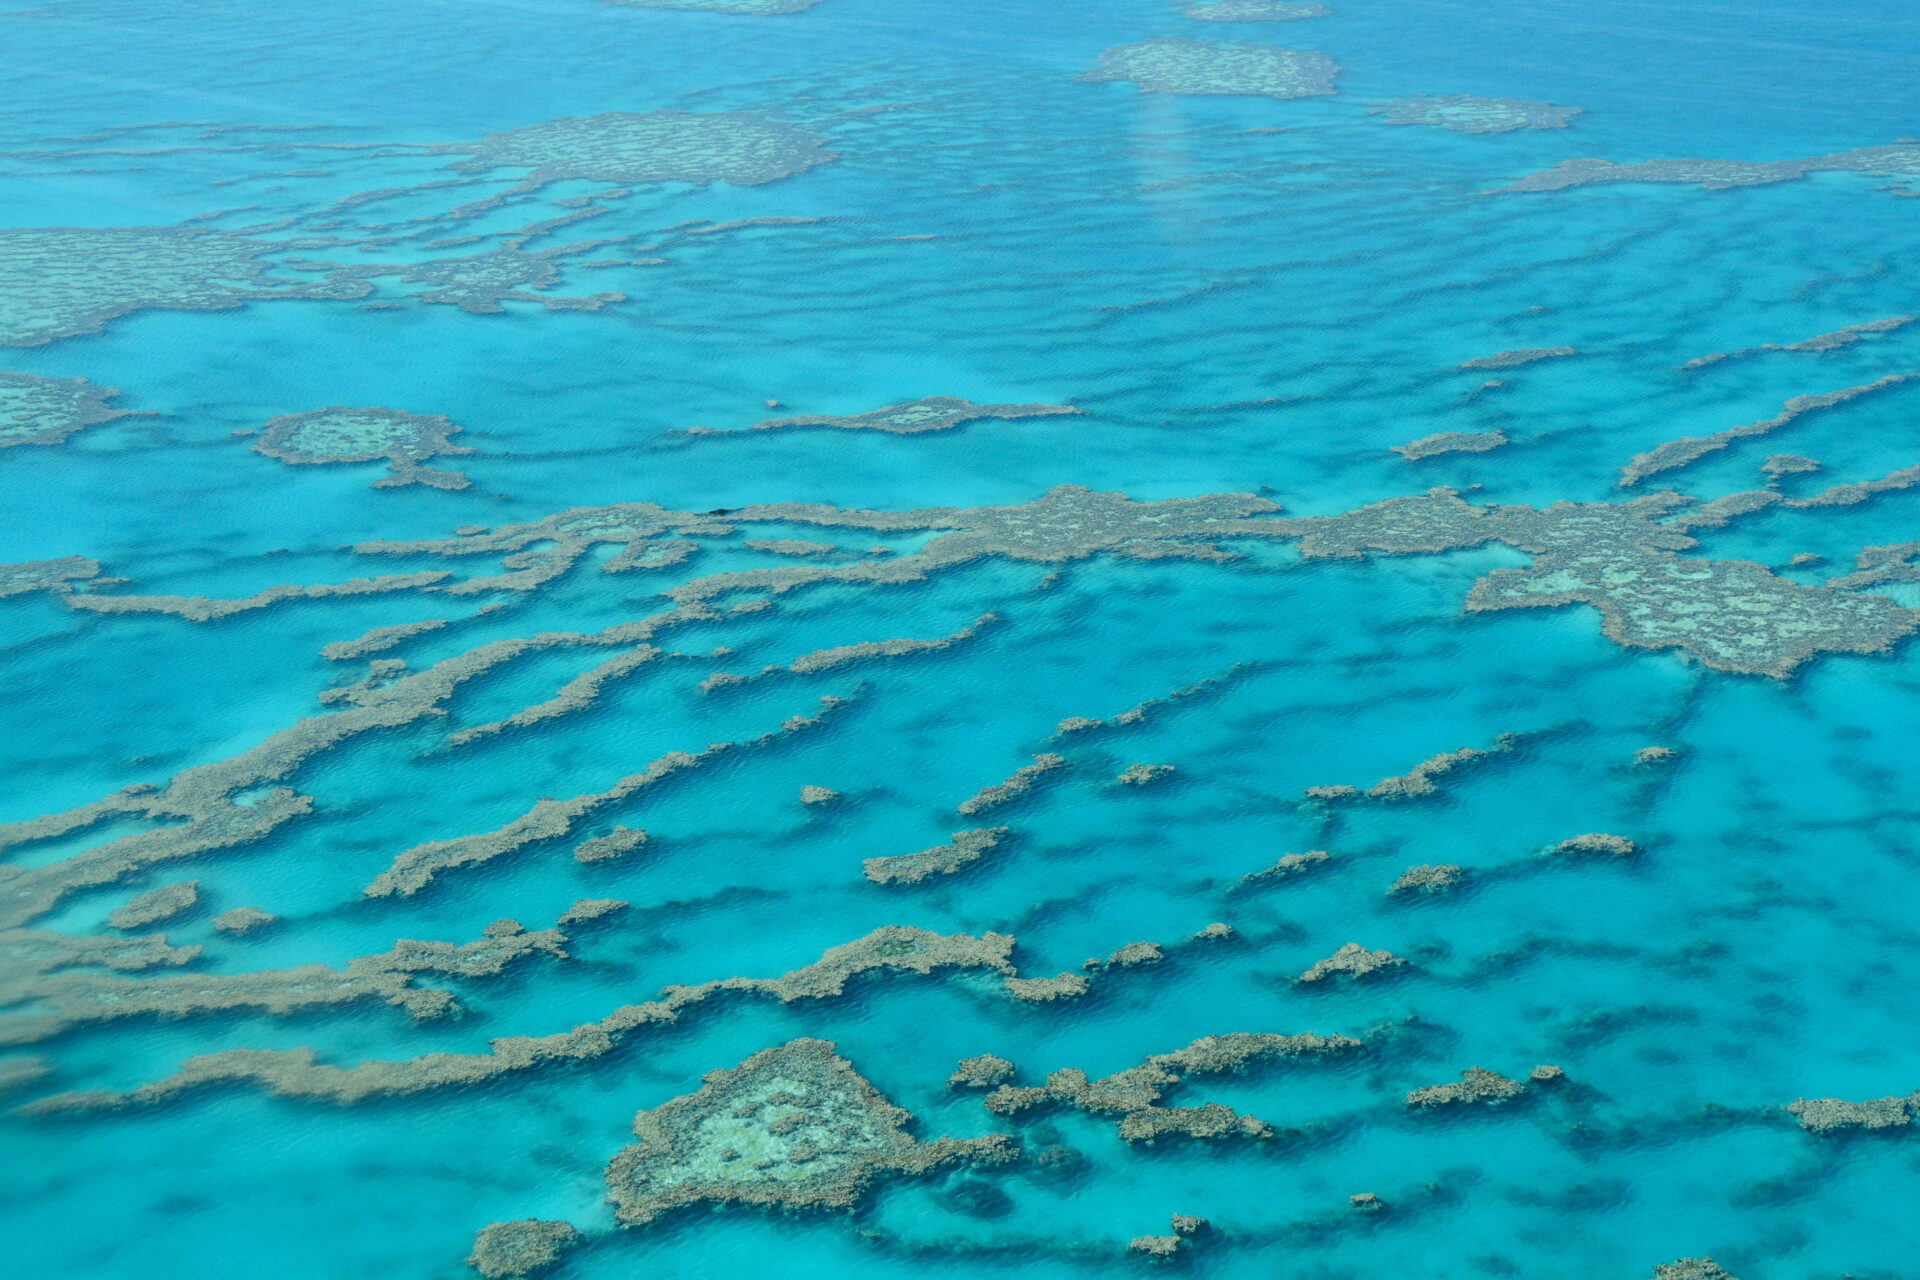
1353 960
509 1249
1254 11
1210 67
1424 880
378 640
1788 464
1513 359
1132 1094
56 577
1018 783
760 8
163 903
56 282
1718 175
1418 781
243 920
60 1002
1290 864
1464 113
1597 842
1160 1248
628 149
841 655
1830 1115
815 795
942 860
1186 1224
1450 442
35 410
617 843
1366 1202
793 1127
1678 453
1691 1269
983 1072
1734 615
1134 953
1139 775
1819 342
298 1073
575 695
1547 1073
1654 755
1475 1085
935 413
340 434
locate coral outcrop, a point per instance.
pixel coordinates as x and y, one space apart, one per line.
1213 67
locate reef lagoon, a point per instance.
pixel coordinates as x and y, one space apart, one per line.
721 638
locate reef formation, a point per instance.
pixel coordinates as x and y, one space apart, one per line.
913 417
35 410
629 149
56 282
1465 113
1179 65
793 1127
1719 175
1450 442
1254 11
340 434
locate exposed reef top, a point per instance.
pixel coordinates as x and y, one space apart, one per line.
1254 11
1353 960
1450 442
1210 67
1830 1115
1464 113
1691 1269
340 434
914 417
1718 175
1476 1085
656 146
36 410
510 1249
793 1127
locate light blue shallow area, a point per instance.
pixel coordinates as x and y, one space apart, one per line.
1242 295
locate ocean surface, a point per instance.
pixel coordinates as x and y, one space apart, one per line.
860 204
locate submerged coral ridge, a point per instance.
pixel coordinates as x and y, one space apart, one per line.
1465 113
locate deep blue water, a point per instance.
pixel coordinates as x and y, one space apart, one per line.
1242 294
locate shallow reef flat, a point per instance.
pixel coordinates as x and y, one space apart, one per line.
1464 113
56 282
1720 175
340 434
1213 67
625 147
48 410
1254 11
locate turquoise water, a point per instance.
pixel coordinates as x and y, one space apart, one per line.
1241 294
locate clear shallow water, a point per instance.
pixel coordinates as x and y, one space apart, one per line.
1234 311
